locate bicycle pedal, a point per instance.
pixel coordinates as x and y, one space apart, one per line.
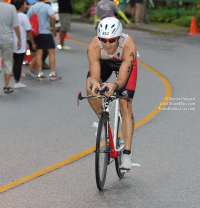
124 170
95 124
135 165
121 141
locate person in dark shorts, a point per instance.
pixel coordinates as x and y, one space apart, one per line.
44 40
111 50
65 13
45 53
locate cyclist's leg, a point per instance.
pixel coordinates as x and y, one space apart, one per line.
127 116
127 130
127 123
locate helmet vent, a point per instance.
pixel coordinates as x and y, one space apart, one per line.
109 27
113 30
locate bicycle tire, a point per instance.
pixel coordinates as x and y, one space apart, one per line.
101 156
118 160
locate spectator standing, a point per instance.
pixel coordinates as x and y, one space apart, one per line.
133 10
45 53
139 12
145 13
25 27
45 41
65 12
8 22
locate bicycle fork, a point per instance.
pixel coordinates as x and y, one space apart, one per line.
114 152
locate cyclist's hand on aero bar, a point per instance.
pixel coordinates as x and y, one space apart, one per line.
111 87
95 88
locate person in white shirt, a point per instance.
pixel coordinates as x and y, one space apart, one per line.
25 28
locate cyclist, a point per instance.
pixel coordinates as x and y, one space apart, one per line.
111 50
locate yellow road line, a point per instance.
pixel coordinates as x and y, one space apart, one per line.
168 92
47 170
77 41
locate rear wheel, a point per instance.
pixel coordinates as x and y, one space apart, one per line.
119 142
102 152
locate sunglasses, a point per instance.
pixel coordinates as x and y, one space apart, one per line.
111 40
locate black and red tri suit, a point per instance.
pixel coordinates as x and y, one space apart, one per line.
110 63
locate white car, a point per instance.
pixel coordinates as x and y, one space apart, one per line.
54 5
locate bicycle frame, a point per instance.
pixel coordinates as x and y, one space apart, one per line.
113 139
105 110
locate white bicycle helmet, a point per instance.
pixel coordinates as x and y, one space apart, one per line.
109 27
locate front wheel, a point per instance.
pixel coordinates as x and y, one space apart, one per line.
102 152
119 143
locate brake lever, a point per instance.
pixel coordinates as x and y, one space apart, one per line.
79 97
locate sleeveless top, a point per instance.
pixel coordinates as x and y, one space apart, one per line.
113 61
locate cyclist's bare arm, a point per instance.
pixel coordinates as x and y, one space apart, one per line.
128 58
94 55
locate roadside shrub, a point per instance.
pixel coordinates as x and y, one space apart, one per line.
161 17
198 20
186 21
80 7
183 21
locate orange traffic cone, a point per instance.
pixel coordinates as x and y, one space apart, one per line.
28 57
65 37
2 63
193 27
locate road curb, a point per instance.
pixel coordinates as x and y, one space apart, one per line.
87 21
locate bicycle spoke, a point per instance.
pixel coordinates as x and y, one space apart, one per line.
102 152
120 148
